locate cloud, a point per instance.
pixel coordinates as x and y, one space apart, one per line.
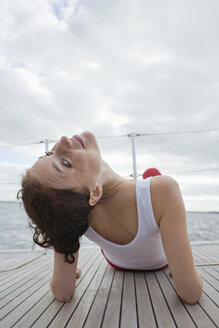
112 68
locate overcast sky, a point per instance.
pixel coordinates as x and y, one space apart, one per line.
113 67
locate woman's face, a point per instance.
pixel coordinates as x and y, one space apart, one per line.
70 163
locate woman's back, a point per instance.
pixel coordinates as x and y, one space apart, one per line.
117 220
144 251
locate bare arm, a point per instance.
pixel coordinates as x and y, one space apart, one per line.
64 277
175 240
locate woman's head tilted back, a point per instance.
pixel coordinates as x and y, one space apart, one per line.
60 190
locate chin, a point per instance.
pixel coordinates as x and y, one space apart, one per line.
88 134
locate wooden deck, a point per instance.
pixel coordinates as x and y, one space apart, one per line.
104 297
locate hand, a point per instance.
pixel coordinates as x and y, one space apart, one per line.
78 273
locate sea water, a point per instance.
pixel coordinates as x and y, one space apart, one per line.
16 234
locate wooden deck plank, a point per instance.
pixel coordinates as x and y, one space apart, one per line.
13 259
145 311
112 313
163 316
178 310
209 278
216 268
19 286
210 291
128 313
212 272
14 286
214 253
105 297
52 311
21 271
200 257
210 307
16 306
96 314
19 305
83 308
33 314
63 316
197 312
205 252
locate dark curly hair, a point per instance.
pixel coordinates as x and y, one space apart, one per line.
59 216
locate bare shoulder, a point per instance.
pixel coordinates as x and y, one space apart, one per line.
160 187
163 181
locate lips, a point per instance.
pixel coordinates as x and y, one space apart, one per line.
79 140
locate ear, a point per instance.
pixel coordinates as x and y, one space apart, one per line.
95 194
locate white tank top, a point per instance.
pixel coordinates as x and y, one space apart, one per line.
145 251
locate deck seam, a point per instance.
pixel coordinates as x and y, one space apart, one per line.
215 269
94 297
207 254
210 298
186 307
104 312
207 264
21 265
83 276
209 283
22 284
61 307
29 309
210 274
83 293
207 314
23 292
19 273
19 307
92 262
120 312
203 243
42 311
136 301
21 301
166 301
180 299
152 306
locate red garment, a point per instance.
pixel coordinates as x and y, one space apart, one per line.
152 172
119 268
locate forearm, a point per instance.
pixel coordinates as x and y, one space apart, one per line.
192 293
58 296
63 282
176 244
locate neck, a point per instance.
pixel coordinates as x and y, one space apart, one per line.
118 196
110 181
113 192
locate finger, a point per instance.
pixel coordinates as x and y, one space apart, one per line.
78 272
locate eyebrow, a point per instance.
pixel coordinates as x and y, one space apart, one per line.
56 167
53 164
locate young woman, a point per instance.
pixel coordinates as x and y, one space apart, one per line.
139 225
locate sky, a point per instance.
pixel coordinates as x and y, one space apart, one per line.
113 67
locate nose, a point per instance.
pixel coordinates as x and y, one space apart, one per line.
63 144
